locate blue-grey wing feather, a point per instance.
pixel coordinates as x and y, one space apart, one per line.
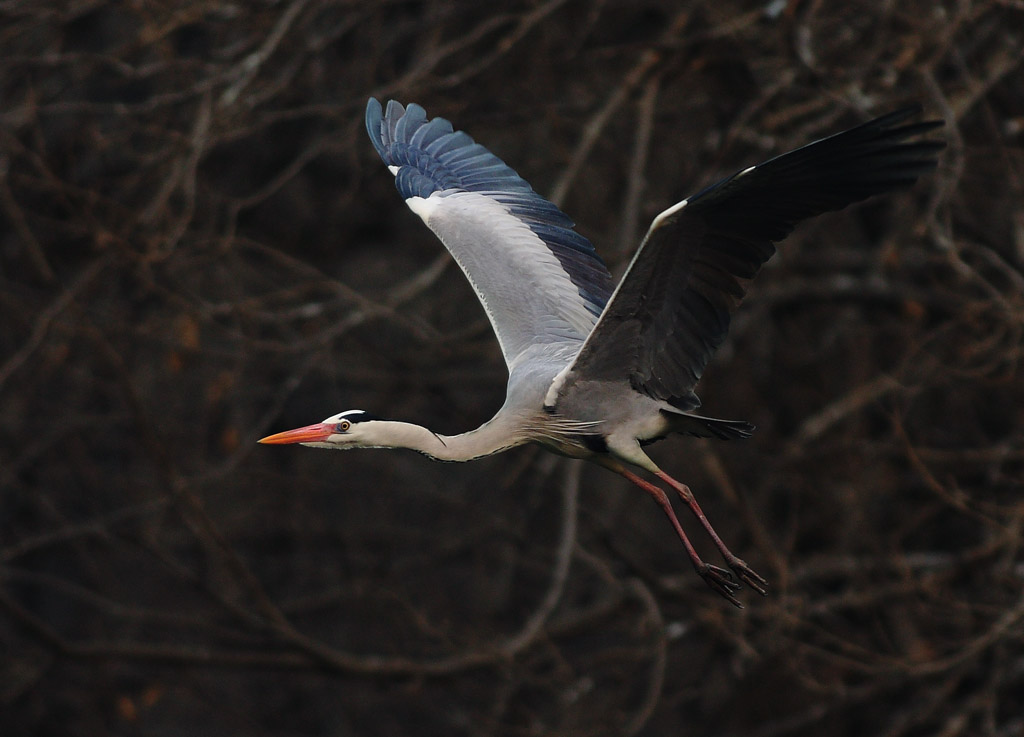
538 279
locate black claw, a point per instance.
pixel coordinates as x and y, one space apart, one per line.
749 576
721 581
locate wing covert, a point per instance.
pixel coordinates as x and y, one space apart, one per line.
672 309
538 279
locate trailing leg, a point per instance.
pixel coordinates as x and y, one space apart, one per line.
739 566
717 578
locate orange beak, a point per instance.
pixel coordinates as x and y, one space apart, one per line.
308 434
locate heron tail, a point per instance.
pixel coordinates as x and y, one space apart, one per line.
708 427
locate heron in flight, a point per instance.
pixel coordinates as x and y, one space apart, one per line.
596 372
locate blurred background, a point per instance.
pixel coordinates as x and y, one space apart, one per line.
199 247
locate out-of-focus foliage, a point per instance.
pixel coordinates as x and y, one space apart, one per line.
198 247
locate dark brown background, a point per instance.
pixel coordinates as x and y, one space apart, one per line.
199 246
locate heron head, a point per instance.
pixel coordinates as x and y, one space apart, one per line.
349 429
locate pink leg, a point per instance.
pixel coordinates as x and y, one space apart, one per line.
745 572
717 578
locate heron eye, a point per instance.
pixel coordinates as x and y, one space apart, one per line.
343 426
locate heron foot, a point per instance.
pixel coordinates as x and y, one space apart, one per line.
720 580
748 575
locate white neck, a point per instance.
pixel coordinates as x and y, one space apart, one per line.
491 437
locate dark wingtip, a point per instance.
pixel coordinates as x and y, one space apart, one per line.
374 116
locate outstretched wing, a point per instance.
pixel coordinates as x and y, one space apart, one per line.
539 280
672 309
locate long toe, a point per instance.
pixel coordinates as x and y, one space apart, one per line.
721 581
749 576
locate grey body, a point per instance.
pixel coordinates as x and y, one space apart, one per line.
596 373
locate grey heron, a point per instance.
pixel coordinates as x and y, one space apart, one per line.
596 372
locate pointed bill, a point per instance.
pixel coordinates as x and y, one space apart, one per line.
308 434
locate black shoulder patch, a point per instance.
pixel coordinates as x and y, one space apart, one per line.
595 443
